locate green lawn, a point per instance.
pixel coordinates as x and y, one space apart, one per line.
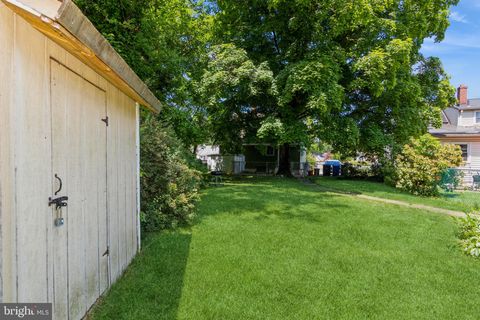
458 200
279 249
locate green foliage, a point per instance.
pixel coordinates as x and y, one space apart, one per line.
165 44
311 160
389 173
347 71
358 170
236 93
320 146
271 129
419 166
169 185
469 234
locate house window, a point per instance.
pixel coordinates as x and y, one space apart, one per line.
477 117
270 151
464 148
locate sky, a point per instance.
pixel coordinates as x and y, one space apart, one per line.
460 50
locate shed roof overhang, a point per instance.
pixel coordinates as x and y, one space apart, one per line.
65 24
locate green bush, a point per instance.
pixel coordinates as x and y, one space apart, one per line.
361 170
170 179
388 173
419 166
470 234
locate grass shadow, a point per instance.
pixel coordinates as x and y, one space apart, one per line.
151 288
458 200
262 196
450 195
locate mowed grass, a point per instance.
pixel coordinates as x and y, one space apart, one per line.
279 249
459 200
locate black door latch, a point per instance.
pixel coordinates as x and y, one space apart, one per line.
58 202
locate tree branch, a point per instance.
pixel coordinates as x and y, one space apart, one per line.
275 42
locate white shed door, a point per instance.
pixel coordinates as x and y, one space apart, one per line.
80 240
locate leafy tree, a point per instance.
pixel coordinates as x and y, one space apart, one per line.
165 43
237 94
420 164
348 71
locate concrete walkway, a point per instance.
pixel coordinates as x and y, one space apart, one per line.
452 213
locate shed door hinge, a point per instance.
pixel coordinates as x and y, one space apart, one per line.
105 120
106 253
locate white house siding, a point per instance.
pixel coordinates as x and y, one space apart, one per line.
467 119
28 243
473 164
475 155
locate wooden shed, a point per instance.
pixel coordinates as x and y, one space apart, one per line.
69 161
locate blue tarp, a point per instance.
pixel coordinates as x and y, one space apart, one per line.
335 163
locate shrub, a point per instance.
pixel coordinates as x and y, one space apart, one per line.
388 173
419 166
169 183
311 160
470 234
357 170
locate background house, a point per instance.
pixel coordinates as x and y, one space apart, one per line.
264 158
256 158
210 155
69 127
461 126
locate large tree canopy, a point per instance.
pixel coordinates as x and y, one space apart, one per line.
347 71
165 43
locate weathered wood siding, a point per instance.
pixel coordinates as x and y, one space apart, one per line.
26 151
7 225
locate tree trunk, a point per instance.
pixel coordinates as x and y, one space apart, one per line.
284 163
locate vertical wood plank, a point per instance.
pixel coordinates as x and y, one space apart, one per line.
76 204
127 186
132 193
91 148
7 208
32 162
57 238
112 181
123 184
101 165
59 164
137 173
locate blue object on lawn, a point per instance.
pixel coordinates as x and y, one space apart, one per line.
332 167
333 163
